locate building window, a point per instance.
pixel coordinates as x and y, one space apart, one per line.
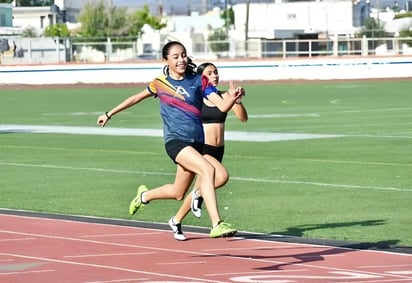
2 20
42 21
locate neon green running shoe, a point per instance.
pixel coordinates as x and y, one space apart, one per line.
136 203
222 229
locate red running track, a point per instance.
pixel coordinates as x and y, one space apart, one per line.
49 250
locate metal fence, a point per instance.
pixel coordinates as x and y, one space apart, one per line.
58 50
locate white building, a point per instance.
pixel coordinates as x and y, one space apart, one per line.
282 20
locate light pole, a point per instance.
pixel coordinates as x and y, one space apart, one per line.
247 28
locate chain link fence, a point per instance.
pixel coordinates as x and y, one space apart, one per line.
63 50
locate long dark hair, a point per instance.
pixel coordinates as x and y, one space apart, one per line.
191 67
203 66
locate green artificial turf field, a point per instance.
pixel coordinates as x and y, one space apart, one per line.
338 164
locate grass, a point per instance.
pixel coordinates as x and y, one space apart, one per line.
356 186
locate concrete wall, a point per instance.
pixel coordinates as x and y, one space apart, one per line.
267 70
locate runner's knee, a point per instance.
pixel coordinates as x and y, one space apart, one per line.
221 178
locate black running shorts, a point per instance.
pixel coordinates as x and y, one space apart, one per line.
173 148
216 151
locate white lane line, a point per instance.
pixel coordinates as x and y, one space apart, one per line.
117 235
244 179
110 255
105 267
13 240
386 266
181 262
26 272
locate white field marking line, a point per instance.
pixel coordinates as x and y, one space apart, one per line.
13 240
320 184
116 235
230 135
81 130
381 136
82 149
103 255
375 110
257 116
347 86
26 272
354 162
243 156
103 267
88 169
77 113
362 125
293 115
256 180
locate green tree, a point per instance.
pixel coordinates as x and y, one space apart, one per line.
29 32
94 20
116 22
228 15
100 20
372 29
407 33
57 30
218 40
403 15
141 17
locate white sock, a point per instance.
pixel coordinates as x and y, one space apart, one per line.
142 198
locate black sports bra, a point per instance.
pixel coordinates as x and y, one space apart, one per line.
212 114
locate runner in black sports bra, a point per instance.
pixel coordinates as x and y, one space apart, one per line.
212 114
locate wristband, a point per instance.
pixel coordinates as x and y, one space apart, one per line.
107 115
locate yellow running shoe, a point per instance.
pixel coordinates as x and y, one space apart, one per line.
136 203
222 229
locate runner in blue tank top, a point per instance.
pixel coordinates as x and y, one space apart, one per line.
180 92
213 120
180 101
